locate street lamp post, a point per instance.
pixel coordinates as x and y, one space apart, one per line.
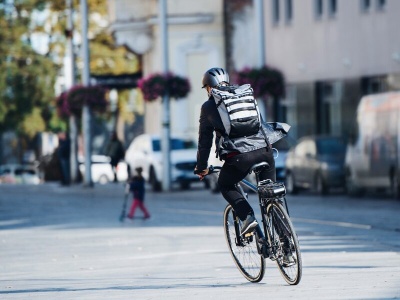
166 182
259 28
114 108
86 114
259 17
69 67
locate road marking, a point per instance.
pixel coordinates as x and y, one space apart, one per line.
195 212
333 223
13 222
313 221
177 253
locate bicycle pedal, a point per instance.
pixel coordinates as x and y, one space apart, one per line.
249 234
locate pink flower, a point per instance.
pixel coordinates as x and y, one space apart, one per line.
73 100
156 85
265 81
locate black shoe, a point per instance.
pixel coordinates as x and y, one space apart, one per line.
288 260
248 225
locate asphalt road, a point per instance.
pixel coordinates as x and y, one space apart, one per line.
67 243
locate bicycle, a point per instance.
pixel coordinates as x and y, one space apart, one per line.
276 239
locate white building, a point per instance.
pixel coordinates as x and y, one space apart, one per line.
196 43
331 52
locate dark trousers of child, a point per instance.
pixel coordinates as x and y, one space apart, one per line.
138 203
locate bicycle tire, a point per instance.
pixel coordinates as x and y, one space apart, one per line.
244 252
284 243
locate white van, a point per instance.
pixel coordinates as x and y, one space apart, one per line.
372 156
145 152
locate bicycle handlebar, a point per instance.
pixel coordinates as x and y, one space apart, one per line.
211 169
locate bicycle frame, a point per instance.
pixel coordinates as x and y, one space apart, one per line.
263 205
275 239
266 223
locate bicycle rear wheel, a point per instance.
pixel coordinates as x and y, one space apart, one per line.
243 249
284 243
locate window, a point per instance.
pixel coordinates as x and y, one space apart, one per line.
331 146
332 8
289 11
374 84
380 4
175 144
275 11
318 8
365 5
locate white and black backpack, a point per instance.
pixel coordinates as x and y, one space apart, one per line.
238 110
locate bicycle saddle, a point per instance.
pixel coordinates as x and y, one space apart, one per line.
258 167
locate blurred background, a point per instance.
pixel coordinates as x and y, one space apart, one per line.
311 64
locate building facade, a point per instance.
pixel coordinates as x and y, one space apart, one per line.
331 52
195 43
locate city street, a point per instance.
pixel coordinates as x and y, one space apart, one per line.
67 243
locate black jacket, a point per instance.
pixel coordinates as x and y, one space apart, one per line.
210 121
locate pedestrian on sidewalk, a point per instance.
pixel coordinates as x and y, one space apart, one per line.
116 152
137 187
63 153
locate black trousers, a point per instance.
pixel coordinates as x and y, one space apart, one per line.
235 169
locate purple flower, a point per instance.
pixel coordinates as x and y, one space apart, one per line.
156 85
73 100
265 81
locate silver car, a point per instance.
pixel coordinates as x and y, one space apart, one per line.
19 174
317 163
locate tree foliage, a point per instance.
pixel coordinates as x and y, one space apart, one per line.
105 56
26 77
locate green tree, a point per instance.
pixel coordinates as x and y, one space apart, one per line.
106 58
26 77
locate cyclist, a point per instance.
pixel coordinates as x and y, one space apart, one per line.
239 156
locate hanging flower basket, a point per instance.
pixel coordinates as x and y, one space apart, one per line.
73 100
156 85
62 106
265 81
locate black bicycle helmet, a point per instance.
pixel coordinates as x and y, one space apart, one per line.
214 77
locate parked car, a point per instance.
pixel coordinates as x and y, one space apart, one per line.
373 151
145 152
102 172
283 146
16 173
316 162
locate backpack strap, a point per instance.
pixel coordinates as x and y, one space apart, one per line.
221 140
264 133
219 102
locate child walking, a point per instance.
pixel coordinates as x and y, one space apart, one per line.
136 186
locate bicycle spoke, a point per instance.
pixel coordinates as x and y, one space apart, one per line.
244 251
284 244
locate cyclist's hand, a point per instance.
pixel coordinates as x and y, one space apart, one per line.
201 174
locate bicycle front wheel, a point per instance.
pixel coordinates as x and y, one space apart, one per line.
243 249
284 243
